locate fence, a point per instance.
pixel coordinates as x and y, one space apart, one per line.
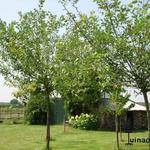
11 113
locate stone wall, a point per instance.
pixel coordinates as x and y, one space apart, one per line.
138 120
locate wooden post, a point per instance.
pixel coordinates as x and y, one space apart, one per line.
0 114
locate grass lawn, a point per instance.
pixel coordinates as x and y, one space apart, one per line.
26 137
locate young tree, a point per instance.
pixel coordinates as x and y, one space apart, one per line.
118 101
113 85
27 53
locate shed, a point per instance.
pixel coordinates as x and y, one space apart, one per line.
132 106
135 116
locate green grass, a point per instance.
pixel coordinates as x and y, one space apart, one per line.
26 137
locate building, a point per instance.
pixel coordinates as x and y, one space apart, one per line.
134 116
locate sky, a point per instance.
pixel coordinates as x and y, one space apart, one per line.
9 12
9 8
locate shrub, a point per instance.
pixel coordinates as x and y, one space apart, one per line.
35 112
84 122
87 104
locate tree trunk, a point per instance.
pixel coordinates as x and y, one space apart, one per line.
148 113
117 133
48 125
120 130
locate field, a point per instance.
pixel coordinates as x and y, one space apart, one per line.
27 137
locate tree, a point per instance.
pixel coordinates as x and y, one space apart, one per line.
114 87
125 29
27 53
76 76
129 54
118 101
15 103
